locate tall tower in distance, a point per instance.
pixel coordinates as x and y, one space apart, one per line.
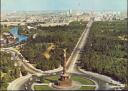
69 12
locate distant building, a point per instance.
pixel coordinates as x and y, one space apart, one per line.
29 27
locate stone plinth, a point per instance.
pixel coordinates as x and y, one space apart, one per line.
64 81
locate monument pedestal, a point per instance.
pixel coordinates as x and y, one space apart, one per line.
64 81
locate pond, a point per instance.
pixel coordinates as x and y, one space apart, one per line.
20 37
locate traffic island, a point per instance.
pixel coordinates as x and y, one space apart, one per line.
78 83
65 83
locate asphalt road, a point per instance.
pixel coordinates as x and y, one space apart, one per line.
75 55
101 84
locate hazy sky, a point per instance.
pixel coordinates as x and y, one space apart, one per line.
118 5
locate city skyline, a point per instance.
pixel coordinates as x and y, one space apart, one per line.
37 5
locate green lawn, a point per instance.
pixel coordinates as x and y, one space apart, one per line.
87 88
40 87
50 79
82 80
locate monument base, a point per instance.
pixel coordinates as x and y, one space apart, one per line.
61 86
64 81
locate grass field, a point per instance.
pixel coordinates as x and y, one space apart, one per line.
40 87
87 88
